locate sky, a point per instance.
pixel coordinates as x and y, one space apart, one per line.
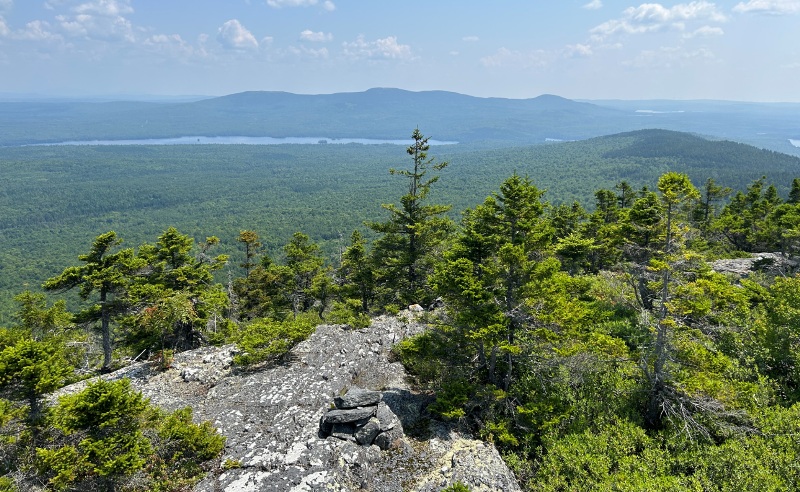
580 49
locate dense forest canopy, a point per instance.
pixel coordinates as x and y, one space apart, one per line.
55 197
580 325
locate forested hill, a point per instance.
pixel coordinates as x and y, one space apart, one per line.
55 198
573 170
387 114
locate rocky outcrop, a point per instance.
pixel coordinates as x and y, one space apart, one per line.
283 434
769 263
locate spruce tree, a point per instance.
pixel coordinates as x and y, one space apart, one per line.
414 230
108 274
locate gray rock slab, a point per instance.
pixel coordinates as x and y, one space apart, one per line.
348 415
357 397
271 417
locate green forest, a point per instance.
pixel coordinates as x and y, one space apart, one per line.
578 323
54 198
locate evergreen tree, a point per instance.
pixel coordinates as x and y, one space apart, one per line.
410 237
304 264
485 277
356 274
252 247
107 273
706 212
31 369
173 278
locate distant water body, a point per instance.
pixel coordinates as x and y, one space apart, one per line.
243 141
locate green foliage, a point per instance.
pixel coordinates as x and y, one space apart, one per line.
181 448
427 355
108 434
405 252
106 272
456 487
264 339
103 439
30 369
348 313
357 272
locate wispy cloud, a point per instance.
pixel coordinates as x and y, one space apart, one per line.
470 39
4 29
669 57
305 52
171 46
96 20
593 5
316 37
705 31
381 49
106 8
651 17
578 50
773 7
6 5
326 4
234 36
505 57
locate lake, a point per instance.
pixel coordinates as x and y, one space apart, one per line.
239 140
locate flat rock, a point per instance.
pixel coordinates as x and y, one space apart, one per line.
357 397
348 415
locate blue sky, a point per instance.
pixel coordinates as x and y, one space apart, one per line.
587 49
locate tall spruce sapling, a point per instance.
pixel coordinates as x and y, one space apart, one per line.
415 229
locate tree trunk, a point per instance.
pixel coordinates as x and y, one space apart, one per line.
105 327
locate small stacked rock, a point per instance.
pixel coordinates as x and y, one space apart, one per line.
361 416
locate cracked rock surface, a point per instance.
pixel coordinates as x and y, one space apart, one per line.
271 418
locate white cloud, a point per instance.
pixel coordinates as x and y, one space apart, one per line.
106 8
171 45
96 20
774 7
37 31
6 5
4 30
317 37
651 17
109 28
669 57
305 52
327 4
233 35
505 57
578 50
594 5
470 39
705 31
380 49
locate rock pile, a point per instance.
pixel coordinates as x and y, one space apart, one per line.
362 417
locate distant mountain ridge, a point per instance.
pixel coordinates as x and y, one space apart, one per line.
387 113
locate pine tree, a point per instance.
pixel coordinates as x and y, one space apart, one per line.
414 230
108 274
356 275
